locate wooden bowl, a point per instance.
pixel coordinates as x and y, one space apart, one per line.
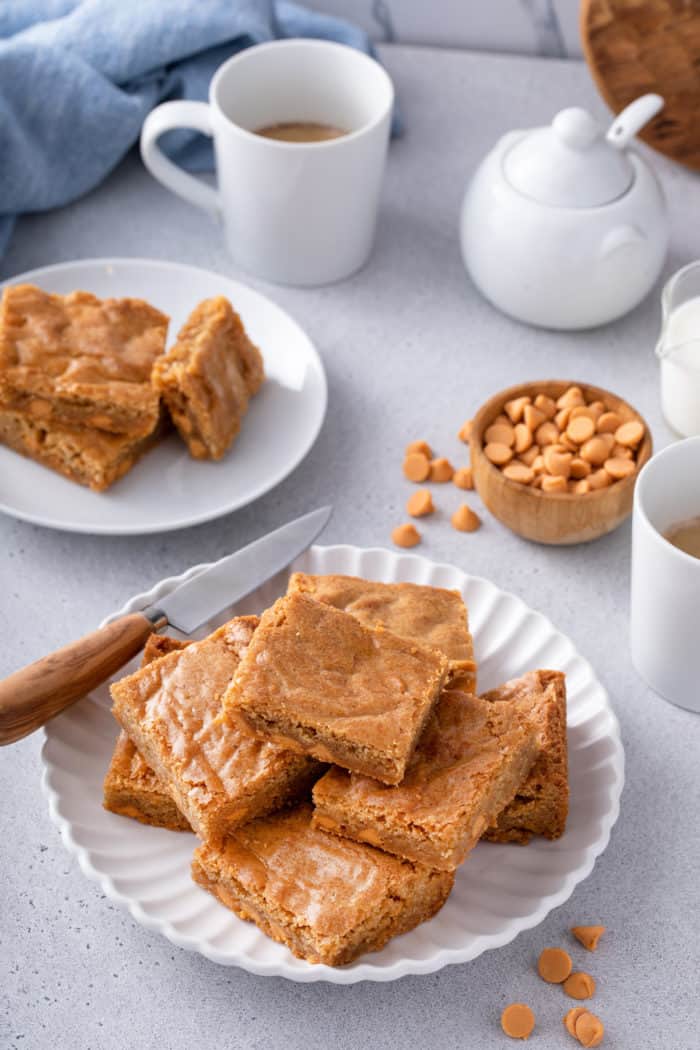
553 517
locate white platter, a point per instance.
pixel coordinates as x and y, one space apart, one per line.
499 891
167 489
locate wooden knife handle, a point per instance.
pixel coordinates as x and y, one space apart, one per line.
37 692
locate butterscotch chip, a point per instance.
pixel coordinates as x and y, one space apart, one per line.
546 405
517 1021
579 488
557 463
502 418
501 433
580 429
599 479
463 478
554 965
420 446
589 1029
530 455
597 408
416 466
523 437
562 418
579 985
406 535
516 407
568 444
538 464
465 519
622 452
498 453
608 422
465 431
588 936
582 410
533 417
553 483
572 1017
619 468
441 470
609 442
547 433
580 468
571 397
595 451
630 434
519 472
420 504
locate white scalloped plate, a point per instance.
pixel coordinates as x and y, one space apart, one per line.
499 891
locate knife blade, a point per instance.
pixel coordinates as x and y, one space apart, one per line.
38 692
231 578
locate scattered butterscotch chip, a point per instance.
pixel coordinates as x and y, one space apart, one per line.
547 433
523 437
546 405
579 985
420 446
519 472
572 1017
533 417
416 466
630 433
554 965
619 468
465 519
405 535
465 432
498 454
441 470
588 936
501 434
517 1021
463 478
608 422
516 407
553 483
580 429
589 1029
420 504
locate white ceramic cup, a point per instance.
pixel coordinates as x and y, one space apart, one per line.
294 213
665 600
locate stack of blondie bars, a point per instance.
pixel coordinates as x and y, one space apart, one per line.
86 386
335 761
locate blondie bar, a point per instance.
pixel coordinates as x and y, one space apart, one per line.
79 361
328 899
541 804
219 777
468 765
429 615
316 680
208 377
131 788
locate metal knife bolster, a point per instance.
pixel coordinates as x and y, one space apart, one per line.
155 616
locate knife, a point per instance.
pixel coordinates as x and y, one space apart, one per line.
34 694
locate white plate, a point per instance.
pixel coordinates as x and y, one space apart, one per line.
499 891
167 489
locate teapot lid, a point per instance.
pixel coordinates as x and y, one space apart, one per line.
573 163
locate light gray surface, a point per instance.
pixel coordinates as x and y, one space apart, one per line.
411 351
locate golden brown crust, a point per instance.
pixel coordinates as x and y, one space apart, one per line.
317 680
218 776
541 804
79 361
429 615
328 899
93 458
208 376
467 766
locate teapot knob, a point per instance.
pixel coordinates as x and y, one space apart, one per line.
576 127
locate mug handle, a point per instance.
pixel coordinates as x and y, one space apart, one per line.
168 117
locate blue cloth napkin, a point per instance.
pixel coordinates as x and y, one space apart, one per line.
78 77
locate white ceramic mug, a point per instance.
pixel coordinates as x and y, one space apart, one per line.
294 213
665 600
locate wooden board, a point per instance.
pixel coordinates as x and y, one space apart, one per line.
636 46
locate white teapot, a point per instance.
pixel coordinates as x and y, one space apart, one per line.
563 226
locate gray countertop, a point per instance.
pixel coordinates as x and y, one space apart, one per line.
410 350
